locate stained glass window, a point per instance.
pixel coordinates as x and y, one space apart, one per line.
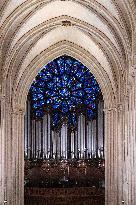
66 88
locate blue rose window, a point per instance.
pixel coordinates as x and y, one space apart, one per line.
65 88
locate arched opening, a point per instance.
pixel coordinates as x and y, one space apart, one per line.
110 25
64 136
23 82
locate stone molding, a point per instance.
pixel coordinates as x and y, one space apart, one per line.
46 27
62 47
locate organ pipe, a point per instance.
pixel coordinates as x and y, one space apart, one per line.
79 137
100 128
76 144
54 142
33 139
29 128
94 138
43 142
27 131
58 144
89 138
64 140
72 144
48 136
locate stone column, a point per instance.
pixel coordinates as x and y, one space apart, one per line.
111 156
3 191
129 169
120 150
18 156
12 155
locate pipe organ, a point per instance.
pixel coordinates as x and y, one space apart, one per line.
64 117
84 141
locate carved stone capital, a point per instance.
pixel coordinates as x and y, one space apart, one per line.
18 111
2 97
118 107
109 110
132 77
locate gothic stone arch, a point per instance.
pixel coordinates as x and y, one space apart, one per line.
13 110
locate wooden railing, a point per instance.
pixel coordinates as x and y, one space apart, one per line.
65 174
64 196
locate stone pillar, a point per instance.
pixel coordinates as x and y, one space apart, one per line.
3 195
18 156
120 150
129 169
12 155
111 156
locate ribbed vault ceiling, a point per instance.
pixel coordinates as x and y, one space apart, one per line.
103 28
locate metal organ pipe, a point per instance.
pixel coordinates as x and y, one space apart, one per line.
42 142
76 143
48 135
54 144
27 127
94 138
100 129
64 140
45 127
58 134
89 138
38 138
33 139
79 137
72 144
